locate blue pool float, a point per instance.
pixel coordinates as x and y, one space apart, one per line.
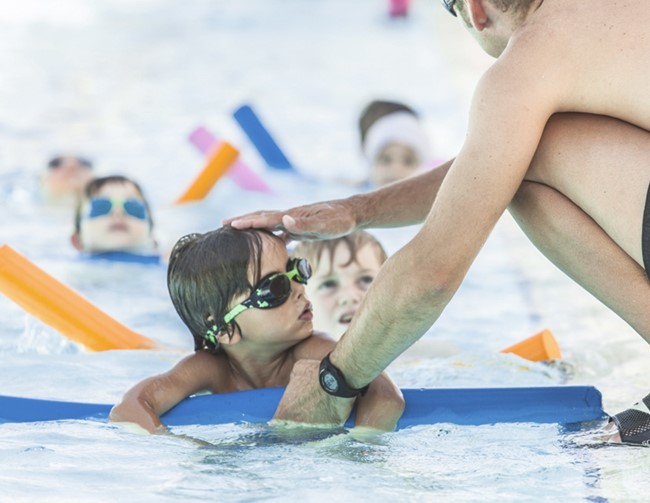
464 406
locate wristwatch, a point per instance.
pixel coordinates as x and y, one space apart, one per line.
333 382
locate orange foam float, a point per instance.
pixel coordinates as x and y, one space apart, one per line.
219 160
60 307
539 347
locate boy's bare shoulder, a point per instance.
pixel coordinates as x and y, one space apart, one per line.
199 358
314 347
204 368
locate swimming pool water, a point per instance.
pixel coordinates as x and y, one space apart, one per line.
125 83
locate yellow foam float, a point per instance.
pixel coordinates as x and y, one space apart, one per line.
60 307
222 157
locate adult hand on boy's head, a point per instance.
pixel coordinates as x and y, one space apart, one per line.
326 220
305 402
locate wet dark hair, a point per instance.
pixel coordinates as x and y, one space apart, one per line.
95 185
55 162
377 109
313 250
206 271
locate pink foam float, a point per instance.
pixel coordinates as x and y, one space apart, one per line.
238 172
398 8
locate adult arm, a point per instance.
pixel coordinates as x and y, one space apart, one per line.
507 119
508 116
402 203
380 408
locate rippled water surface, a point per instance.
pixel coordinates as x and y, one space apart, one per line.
125 82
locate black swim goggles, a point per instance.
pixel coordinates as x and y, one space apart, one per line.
449 5
273 290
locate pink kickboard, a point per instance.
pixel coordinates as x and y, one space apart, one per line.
239 172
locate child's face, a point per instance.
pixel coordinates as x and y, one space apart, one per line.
283 326
338 290
69 176
394 162
116 230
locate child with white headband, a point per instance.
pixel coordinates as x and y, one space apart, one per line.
393 141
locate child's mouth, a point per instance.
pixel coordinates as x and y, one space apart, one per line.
119 227
346 318
307 314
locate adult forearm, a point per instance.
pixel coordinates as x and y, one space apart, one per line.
402 203
397 310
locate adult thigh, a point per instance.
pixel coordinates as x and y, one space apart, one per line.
602 165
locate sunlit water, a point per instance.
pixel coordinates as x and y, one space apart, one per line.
125 82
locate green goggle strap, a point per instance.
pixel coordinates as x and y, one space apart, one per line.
234 312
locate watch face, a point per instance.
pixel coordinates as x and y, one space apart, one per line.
329 382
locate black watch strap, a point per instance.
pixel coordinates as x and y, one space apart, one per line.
333 382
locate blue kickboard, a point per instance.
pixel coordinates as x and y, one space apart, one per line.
465 406
261 138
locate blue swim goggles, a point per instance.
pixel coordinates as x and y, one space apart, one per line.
273 290
100 206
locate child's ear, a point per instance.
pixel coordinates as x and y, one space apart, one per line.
75 239
225 338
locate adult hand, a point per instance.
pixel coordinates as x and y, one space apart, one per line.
326 220
304 401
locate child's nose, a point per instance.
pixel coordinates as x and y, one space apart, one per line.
298 289
118 209
350 296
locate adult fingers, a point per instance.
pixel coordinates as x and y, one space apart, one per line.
256 220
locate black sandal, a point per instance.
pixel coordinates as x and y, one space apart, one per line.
634 423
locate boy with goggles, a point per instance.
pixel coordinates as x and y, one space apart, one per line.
244 302
113 220
272 291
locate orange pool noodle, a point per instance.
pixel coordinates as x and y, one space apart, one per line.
62 308
218 163
539 347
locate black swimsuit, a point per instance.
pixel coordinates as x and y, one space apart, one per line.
645 235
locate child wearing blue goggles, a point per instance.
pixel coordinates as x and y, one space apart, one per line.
113 217
244 302
100 206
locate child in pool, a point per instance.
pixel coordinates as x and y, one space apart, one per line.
65 177
244 302
393 141
113 219
344 268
